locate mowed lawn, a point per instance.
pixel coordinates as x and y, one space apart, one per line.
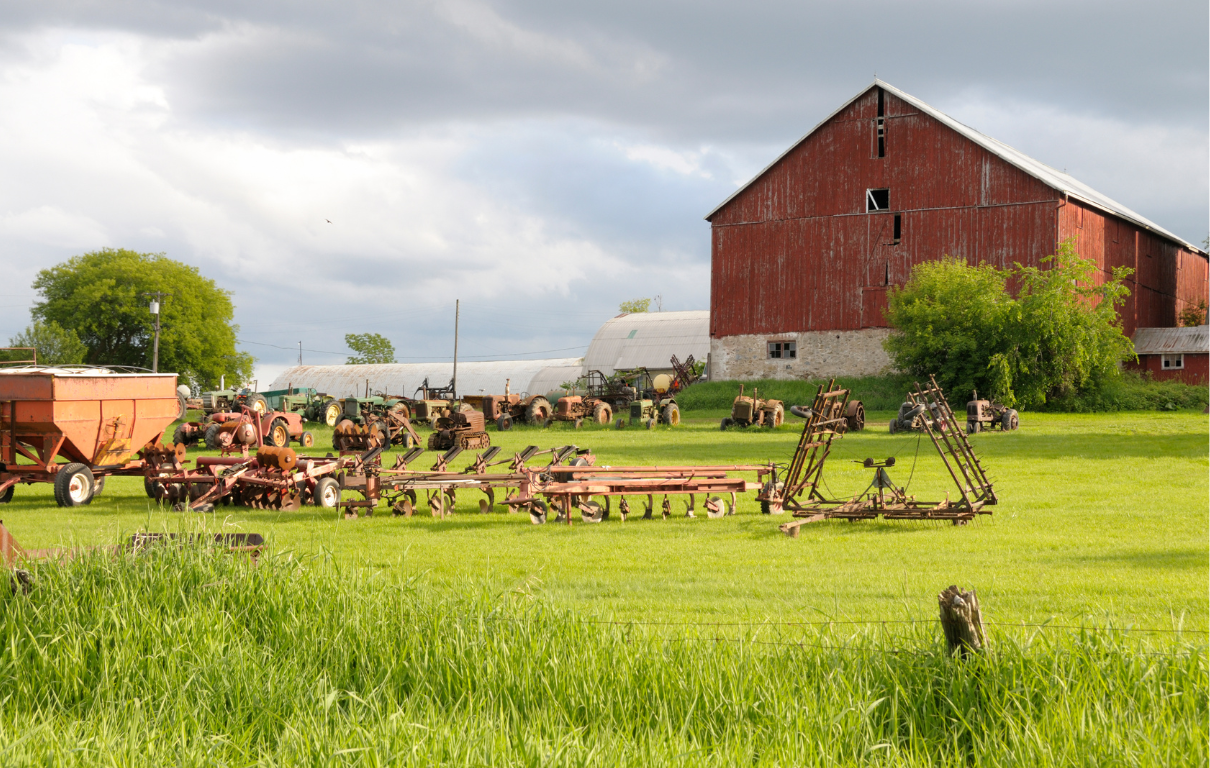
1103 520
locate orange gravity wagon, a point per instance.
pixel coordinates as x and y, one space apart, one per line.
75 426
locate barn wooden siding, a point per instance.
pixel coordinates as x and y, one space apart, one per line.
797 251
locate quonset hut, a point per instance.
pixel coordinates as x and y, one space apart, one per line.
649 340
474 378
802 255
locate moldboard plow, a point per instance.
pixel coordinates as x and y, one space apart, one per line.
798 488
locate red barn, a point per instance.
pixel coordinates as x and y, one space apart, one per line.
1174 353
803 254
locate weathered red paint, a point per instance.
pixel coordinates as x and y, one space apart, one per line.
797 251
1196 370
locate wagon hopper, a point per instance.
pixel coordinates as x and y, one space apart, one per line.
75 426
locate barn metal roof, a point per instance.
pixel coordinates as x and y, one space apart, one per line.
1049 176
1172 341
649 339
474 378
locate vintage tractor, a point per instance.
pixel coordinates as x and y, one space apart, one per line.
510 407
655 403
576 408
276 429
463 429
231 400
988 414
749 411
311 405
913 417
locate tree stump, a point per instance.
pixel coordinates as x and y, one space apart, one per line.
962 621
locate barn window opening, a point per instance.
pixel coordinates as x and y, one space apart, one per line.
877 199
898 229
783 350
886 274
881 124
1172 362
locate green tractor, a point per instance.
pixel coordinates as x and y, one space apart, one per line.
655 403
311 405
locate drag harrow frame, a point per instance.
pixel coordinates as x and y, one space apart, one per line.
798 489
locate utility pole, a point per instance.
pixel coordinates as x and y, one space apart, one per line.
300 353
455 381
155 310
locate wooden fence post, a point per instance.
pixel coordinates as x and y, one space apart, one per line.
962 621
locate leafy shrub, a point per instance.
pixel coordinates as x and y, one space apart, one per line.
1059 336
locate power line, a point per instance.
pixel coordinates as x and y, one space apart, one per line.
429 358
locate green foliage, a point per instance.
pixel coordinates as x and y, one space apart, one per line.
371 348
1194 315
1060 335
97 296
1133 391
180 657
637 305
55 344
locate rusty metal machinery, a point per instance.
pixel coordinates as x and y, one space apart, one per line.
798 487
988 414
504 410
576 408
752 411
462 429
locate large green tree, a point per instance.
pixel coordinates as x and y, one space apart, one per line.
1059 334
100 297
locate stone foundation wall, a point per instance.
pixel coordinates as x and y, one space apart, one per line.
821 354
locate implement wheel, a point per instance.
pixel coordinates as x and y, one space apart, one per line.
74 485
327 493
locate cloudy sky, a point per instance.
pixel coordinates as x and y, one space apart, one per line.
351 166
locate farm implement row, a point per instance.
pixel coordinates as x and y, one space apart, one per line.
557 483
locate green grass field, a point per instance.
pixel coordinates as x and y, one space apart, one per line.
1102 520
484 640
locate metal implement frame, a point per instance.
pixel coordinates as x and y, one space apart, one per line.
974 487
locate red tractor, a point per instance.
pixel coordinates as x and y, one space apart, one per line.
277 429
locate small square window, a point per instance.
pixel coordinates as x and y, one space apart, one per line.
1172 362
783 350
877 199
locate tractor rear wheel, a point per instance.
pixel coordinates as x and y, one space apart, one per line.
279 434
671 415
1010 420
257 403
602 413
777 418
74 485
722 425
538 411
212 437
178 436
331 412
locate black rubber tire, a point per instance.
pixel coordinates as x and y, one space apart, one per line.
183 408
538 411
778 417
98 485
671 415
149 487
722 425
972 427
619 423
332 410
1011 420
73 485
257 402
7 496
178 435
212 437
306 440
650 423
327 493
504 423
279 434
894 426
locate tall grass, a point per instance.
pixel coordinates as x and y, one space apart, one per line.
180 657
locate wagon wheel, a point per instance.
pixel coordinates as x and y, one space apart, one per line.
74 485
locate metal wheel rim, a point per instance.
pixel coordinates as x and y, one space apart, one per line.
77 489
330 495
